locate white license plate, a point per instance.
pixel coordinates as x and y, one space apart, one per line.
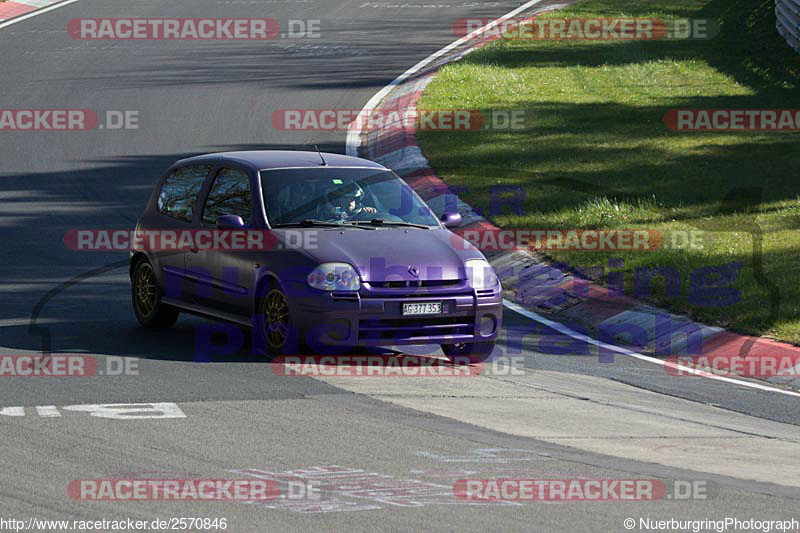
428 308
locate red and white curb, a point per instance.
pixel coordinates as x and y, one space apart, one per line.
528 277
13 11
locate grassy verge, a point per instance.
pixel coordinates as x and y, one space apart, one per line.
595 152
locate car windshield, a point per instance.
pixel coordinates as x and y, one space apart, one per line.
341 196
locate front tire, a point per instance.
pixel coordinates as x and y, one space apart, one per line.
146 298
277 335
472 353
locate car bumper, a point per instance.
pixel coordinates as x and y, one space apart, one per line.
369 319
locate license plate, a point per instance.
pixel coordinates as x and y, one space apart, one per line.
428 308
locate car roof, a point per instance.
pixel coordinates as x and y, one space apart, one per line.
269 159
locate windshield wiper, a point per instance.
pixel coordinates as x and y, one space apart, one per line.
310 223
382 222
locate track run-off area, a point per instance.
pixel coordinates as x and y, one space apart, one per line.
385 453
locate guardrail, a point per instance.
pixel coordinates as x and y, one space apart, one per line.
788 24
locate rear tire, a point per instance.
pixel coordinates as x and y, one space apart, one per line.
146 298
471 353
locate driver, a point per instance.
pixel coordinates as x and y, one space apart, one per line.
347 203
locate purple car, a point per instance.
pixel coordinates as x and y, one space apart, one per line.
353 257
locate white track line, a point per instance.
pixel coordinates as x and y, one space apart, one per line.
354 132
564 330
35 13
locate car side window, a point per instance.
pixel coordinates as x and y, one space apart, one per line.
179 193
230 195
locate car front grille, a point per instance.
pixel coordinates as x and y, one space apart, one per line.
412 328
413 284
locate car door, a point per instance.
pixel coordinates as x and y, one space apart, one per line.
224 278
175 210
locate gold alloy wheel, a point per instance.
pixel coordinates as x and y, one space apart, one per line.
145 290
276 311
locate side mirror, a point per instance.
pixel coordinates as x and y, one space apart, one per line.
451 220
230 222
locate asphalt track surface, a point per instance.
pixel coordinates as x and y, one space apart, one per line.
565 416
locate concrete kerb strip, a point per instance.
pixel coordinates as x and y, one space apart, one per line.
526 276
13 11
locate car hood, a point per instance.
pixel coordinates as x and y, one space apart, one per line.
395 252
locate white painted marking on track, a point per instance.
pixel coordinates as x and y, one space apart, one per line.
131 411
35 13
488 456
564 330
115 411
48 411
353 131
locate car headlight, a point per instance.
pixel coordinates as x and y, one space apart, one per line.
480 274
334 277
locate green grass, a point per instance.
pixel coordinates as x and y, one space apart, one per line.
595 152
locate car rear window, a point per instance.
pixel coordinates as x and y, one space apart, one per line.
179 193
